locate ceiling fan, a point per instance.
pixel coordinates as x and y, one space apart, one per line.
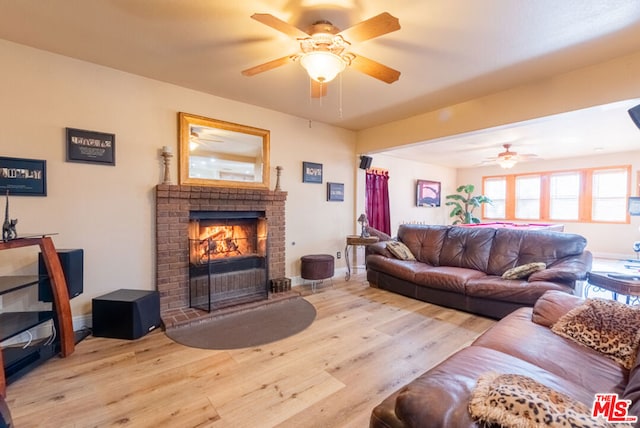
324 49
200 139
508 159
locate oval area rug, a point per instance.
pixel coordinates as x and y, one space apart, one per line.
257 326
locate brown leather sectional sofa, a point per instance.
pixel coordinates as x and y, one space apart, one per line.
461 267
521 343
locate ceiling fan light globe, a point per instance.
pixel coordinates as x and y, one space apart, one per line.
507 163
322 66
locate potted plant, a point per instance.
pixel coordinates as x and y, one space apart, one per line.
463 205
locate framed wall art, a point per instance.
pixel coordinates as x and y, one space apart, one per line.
91 147
311 172
427 193
335 192
26 177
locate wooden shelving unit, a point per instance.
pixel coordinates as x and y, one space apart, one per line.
13 323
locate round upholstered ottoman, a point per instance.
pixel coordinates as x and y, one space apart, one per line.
316 267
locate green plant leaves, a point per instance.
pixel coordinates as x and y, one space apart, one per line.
463 205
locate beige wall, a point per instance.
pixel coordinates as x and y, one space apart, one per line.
108 211
402 190
606 240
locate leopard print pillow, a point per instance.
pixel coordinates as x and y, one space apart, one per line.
511 400
523 271
607 326
400 251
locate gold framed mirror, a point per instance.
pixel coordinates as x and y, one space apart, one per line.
217 153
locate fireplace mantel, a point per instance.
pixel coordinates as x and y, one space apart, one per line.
173 205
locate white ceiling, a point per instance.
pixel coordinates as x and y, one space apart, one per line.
448 51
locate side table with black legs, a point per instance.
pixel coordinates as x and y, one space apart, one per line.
355 241
626 284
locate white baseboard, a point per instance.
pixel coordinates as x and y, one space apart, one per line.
82 322
337 274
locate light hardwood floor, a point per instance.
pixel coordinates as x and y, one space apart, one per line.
364 344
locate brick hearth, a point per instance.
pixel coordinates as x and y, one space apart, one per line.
173 204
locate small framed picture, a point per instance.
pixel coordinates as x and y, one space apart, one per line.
25 177
91 147
428 193
311 172
335 192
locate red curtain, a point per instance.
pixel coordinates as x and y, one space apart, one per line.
377 200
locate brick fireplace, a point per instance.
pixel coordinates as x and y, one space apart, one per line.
174 206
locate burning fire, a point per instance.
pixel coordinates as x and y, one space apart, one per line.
223 241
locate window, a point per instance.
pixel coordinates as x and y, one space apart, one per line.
610 192
528 197
564 196
497 188
585 195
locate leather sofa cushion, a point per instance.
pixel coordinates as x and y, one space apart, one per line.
467 248
513 247
402 269
377 248
556 354
511 290
439 398
552 305
424 242
447 278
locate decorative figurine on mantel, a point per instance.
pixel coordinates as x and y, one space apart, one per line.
9 225
278 172
167 155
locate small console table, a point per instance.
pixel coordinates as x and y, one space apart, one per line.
354 241
617 283
10 324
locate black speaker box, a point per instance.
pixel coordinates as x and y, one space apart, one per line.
72 262
126 314
365 162
634 112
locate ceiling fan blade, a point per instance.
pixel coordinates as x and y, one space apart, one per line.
267 65
318 89
280 25
375 69
371 28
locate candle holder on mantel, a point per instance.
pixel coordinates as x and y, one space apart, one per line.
278 172
167 155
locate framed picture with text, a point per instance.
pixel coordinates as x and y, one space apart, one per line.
23 177
335 192
311 172
91 147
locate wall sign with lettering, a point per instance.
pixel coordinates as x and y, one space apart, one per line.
91 147
335 192
26 177
311 172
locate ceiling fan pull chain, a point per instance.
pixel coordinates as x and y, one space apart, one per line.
340 97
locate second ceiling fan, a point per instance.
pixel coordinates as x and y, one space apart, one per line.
324 49
508 159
